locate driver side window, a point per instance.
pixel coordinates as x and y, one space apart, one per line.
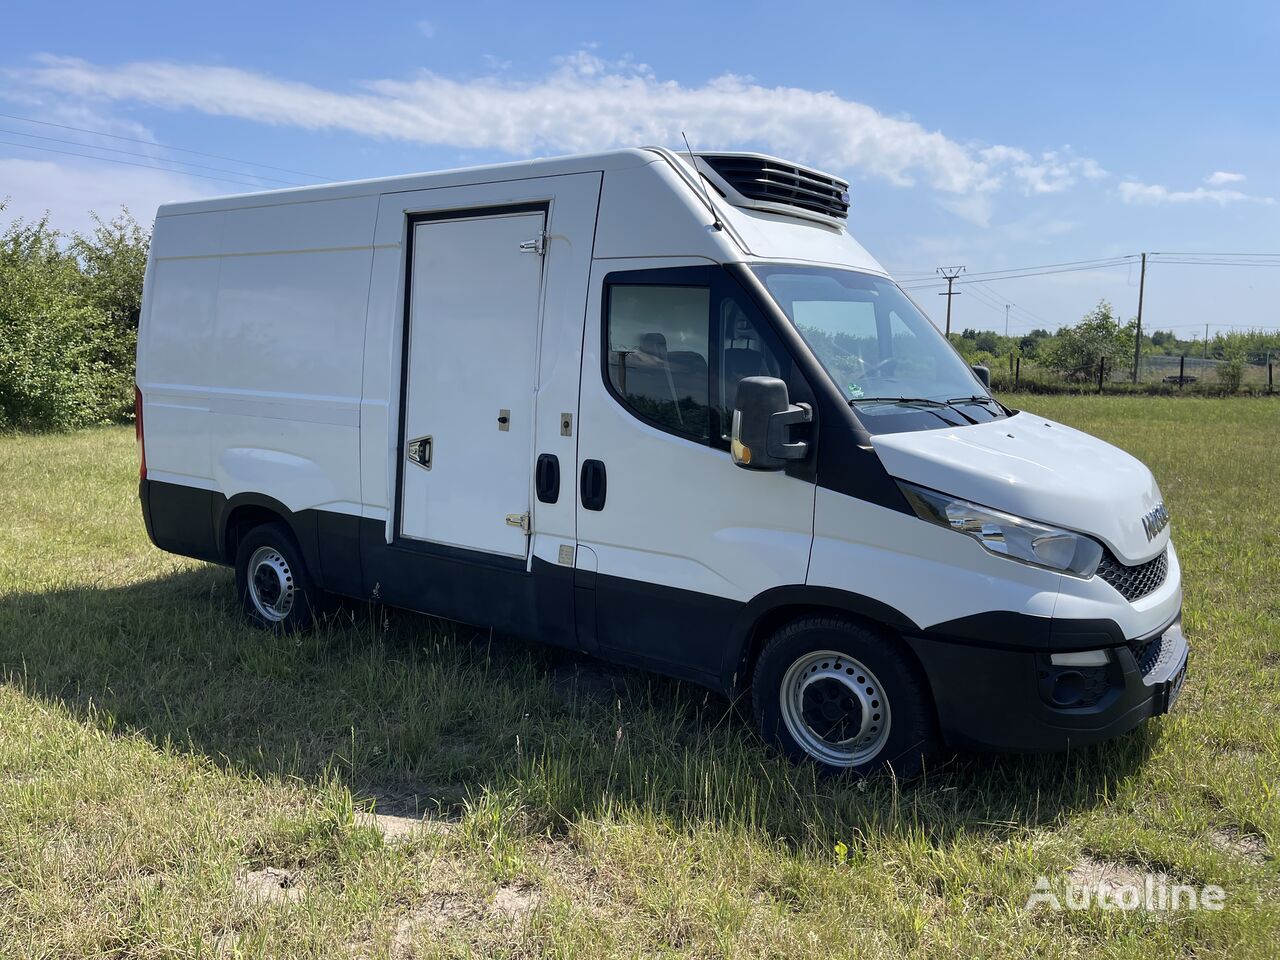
676 345
743 351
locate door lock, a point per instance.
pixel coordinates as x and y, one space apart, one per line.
504 420
419 451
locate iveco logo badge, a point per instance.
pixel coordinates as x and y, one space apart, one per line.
1155 520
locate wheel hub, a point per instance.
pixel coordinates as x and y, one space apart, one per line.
835 708
270 584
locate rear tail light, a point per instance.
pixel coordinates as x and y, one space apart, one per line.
137 428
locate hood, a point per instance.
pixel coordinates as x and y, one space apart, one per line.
1038 469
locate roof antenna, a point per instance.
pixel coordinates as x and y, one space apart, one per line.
698 173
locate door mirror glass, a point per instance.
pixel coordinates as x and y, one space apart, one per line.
763 418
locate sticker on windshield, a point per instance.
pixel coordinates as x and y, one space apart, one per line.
855 391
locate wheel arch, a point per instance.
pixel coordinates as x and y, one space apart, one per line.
773 608
245 511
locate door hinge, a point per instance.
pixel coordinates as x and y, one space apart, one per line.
537 245
520 520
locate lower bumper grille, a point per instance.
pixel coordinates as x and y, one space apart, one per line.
1152 654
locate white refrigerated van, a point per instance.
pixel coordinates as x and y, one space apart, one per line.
657 408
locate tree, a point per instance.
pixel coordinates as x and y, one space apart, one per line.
1077 350
68 308
988 342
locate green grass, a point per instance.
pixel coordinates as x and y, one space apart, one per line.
156 755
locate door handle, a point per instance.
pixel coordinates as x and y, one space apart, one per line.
547 478
419 451
594 484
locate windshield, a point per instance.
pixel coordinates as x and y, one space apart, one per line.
871 339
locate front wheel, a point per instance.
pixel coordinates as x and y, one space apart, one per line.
844 696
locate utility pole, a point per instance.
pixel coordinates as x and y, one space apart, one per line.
1137 336
1006 319
950 273
1206 341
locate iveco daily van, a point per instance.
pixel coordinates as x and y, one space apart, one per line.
661 409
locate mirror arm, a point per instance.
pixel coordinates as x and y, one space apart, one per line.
780 424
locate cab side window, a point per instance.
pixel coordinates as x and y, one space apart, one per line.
676 352
658 355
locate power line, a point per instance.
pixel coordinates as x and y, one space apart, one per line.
1047 266
1031 315
1027 272
147 156
1186 253
129 163
1222 263
998 306
152 143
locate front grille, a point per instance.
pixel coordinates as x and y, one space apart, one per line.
775 181
1135 582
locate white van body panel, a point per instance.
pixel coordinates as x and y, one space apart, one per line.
676 516
924 570
250 380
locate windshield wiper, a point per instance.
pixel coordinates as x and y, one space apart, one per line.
974 399
916 401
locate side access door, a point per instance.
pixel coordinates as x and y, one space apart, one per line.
679 536
470 367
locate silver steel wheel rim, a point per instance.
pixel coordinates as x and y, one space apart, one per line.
835 708
270 584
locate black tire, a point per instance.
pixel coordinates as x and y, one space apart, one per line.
854 681
278 570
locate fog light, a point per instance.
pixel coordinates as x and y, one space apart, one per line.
1081 658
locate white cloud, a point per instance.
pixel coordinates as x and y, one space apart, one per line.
1151 194
584 104
68 191
1051 172
427 29
1220 177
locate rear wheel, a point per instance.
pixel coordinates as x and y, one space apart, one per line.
844 696
275 589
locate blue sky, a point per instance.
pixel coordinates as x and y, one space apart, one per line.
990 135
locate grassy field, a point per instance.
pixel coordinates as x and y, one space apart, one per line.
175 784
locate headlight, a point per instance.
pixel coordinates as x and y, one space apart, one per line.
1006 535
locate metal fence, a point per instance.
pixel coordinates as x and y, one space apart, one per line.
1156 374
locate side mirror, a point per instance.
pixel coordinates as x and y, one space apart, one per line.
762 421
983 374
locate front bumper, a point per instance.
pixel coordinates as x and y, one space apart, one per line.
1005 699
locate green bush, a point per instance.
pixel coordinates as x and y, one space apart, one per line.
1077 351
69 322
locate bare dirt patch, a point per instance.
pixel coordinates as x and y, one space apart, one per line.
1246 846
271 885
396 828
434 916
515 904
1111 876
